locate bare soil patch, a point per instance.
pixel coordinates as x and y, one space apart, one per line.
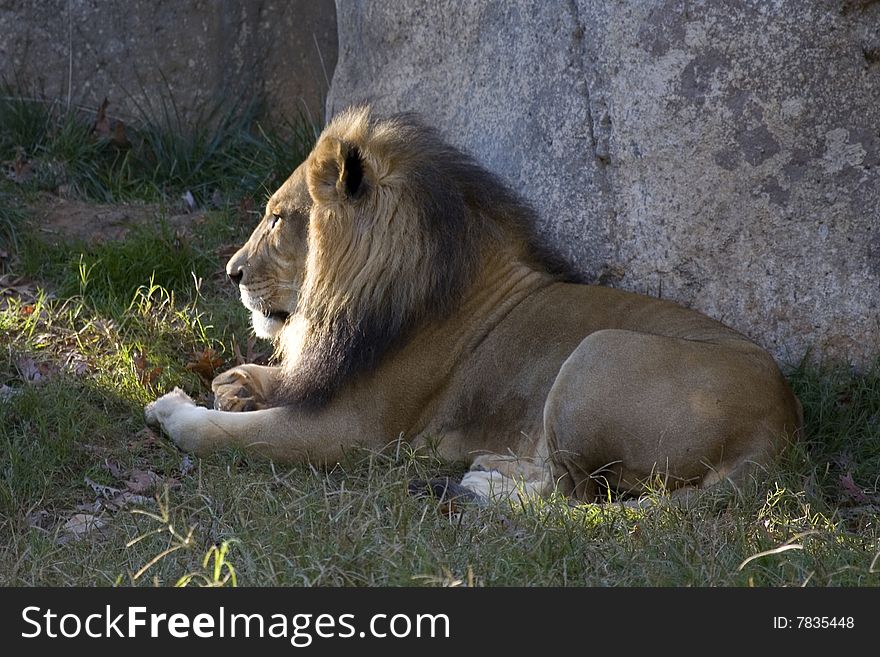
63 219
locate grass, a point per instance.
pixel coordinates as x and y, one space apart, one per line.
10 217
91 332
222 153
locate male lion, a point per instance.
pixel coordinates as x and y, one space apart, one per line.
405 295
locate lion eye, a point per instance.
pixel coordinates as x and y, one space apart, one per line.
275 219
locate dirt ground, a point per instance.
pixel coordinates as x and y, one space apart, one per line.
63 219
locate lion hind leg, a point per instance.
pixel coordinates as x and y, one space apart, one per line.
687 412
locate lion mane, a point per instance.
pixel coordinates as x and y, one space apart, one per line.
399 225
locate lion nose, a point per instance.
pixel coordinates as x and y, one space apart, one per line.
235 274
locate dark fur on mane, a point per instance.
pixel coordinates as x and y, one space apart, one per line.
463 208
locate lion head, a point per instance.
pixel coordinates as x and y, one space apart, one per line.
382 227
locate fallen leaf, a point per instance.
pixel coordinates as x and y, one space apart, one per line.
125 498
82 523
7 393
79 367
251 355
246 206
141 481
205 364
146 374
186 465
114 468
105 326
93 508
32 371
189 201
98 450
16 286
115 503
849 486
145 438
120 138
101 489
22 171
101 127
39 519
27 368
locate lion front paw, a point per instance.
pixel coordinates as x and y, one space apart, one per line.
158 413
237 390
179 417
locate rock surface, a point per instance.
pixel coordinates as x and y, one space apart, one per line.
198 52
725 155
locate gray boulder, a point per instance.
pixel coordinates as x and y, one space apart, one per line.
199 53
725 155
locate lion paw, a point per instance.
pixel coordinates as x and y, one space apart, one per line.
158 412
178 417
235 390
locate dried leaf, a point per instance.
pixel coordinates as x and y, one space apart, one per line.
186 465
101 127
27 368
7 393
146 374
115 503
21 171
189 201
849 486
252 355
81 524
124 499
41 519
105 326
205 364
101 489
145 438
16 286
114 468
79 366
246 206
142 481
120 138
98 450
34 372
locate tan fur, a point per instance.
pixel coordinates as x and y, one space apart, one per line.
404 291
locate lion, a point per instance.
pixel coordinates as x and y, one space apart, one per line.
407 295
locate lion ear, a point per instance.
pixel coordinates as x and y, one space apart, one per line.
336 171
351 170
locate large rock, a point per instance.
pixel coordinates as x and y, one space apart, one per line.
200 53
726 155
